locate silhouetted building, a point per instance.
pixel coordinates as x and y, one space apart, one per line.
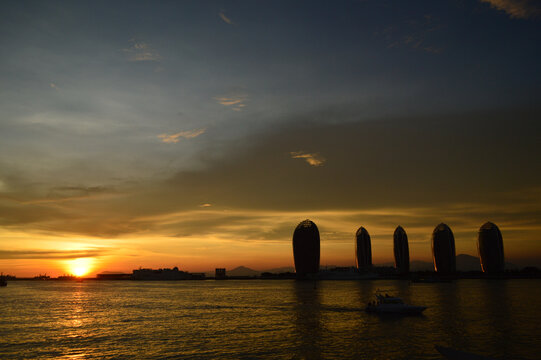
443 250
363 249
113 276
67 277
42 277
198 276
219 274
160 274
490 247
401 251
306 248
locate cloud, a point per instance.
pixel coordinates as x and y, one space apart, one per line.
140 51
49 254
15 213
338 225
384 173
312 159
235 102
415 34
519 9
225 18
53 86
174 138
70 193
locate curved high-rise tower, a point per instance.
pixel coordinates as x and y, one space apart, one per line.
401 251
443 250
490 247
363 249
306 248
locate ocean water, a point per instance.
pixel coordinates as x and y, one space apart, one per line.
267 319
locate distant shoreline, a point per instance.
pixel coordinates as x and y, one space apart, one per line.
417 277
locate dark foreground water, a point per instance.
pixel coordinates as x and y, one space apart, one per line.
270 319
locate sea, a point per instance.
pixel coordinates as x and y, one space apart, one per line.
266 319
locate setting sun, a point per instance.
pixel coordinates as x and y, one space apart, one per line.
80 266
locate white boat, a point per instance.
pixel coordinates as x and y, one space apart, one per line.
386 304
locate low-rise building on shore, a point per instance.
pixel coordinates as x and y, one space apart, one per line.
113 276
165 274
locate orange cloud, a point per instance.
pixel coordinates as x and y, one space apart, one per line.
520 9
175 138
225 18
141 52
50 254
312 159
235 102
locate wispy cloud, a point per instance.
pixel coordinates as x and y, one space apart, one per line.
312 159
225 18
61 194
234 102
414 34
520 9
49 254
174 138
140 51
53 86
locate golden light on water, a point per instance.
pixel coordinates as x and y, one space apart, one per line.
80 267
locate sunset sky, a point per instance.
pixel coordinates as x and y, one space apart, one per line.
198 134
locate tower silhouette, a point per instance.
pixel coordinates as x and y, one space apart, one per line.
306 248
443 250
490 247
363 249
401 251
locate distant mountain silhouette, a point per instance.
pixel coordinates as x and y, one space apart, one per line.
280 270
415 265
418 265
246 271
242 271
472 263
463 263
466 262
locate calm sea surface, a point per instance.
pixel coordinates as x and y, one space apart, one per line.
271 319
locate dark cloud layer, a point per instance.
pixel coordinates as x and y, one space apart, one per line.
476 164
465 157
48 254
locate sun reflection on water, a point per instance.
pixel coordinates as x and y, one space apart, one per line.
75 319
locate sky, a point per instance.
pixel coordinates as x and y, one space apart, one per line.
198 134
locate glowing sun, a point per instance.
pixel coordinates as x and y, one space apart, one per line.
80 266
